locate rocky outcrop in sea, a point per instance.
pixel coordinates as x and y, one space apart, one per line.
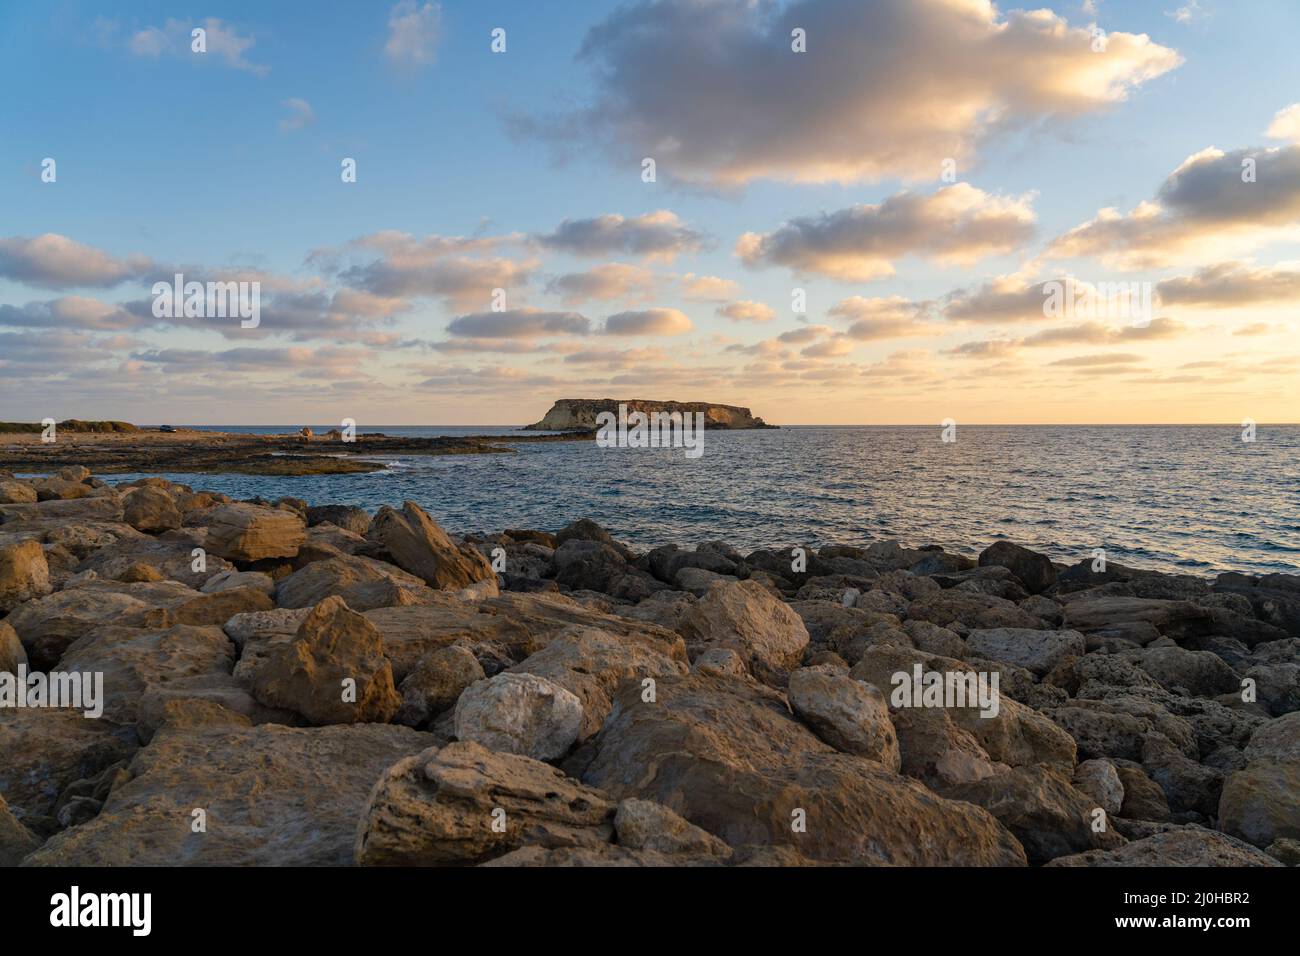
579 414
285 683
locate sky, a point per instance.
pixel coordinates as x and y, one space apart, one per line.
857 211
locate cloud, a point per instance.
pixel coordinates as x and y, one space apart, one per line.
1286 124
175 38
656 235
613 280
52 261
1208 207
648 322
712 90
1095 333
957 224
618 358
70 312
448 267
518 323
1090 361
1229 284
828 348
1189 12
747 311
300 115
708 288
413 33
881 318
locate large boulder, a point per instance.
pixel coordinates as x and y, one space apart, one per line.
45 750
591 663
727 756
244 532
270 795
1198 673
11 650
970 609
747 618
1034 570
15 492
436 684
24 573
465 804
333 672
1261 804
1035 650
363 583
1187 846
418 545
1047 814
848 714
151 510
519 713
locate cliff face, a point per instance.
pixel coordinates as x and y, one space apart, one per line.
579 414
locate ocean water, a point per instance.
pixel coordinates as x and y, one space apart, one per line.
1190 499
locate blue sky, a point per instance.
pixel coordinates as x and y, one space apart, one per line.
196 161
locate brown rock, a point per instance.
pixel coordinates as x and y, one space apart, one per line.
418 545
309 675
151 510
24 573
438 808
244 532
437 683
745 617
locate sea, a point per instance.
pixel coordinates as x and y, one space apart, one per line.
1184 499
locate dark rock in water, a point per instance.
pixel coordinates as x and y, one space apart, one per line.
1275 597
1034 570
346 517
585 529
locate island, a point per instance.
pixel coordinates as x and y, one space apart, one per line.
579 414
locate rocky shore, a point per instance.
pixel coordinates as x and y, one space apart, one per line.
286 683
132 449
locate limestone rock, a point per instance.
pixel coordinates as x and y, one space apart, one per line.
244 532
151 510
438 808
1036 650
645 825
333 645
1192 846
24 573
1034 570
745 617
437 683
519 713
848 714
418 545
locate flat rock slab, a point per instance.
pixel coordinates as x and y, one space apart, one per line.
274 796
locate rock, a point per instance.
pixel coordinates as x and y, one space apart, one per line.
1143 798
1261 804
698 581
436 684
645 825
24 573
721 662
1274 597
1192 846
273 796
1200 673
438 807
136 660
604 855
1174 618
746 618
363 583
346 517
1099 781
590 663
171 554
727 757
1036 650
11 650
1188 785
585 529
849 715
934 639
151 510
419 546
519 714
232 579
946 608
15 492
333 645
1287 852
16 841
244 532
46 750
1034 570
1046 813
587 565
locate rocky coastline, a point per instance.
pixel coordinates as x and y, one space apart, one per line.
287 683
182 451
